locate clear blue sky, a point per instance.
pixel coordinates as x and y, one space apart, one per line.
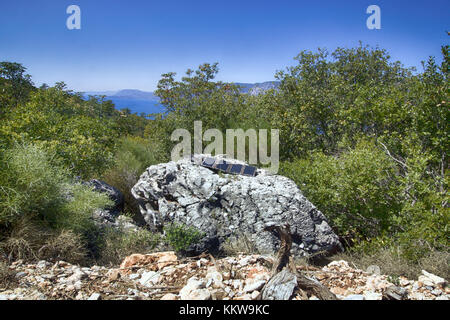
129 44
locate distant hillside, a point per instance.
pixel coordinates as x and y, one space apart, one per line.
136 94
139 101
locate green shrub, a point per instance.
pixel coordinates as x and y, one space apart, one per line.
80 133
133 156
355 190
180 237
38 202
33 186
30 184
75 214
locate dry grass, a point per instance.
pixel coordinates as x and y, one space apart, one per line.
23 240
392 264
7 277
117 245
66 246
29 241
239 244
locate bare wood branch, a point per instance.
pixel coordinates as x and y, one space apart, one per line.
285 277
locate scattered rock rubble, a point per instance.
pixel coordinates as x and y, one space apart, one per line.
164 276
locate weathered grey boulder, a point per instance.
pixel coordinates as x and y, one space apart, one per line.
226 206
113 193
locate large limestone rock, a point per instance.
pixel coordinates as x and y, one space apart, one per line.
226 207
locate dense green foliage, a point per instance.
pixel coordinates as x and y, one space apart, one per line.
180 237
81 133
372 145
34 187
15 85
356 189
365 139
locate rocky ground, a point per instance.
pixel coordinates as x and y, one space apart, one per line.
164 276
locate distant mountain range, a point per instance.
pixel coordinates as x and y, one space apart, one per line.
146 102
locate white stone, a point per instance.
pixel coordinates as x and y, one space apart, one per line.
373 269
79 296
194 290
42 264
434 279
354 297
436 292
427 282
134 276
95 296
237 284
245 261
253 285
169 296
76 276
404 282
368 295
416 296
214 278
339 264
150 278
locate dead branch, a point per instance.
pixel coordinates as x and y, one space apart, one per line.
285 278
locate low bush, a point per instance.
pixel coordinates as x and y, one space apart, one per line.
66 246
180 237
32 240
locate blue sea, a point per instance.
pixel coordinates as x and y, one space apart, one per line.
137 106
